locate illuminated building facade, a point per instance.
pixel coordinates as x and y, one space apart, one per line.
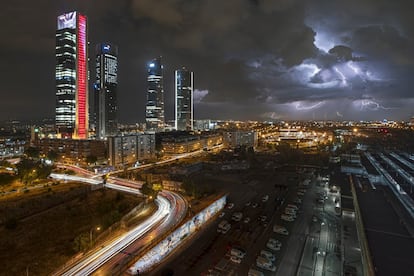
106 108
184 115
239 138
126 150
73 150
154 112
72 76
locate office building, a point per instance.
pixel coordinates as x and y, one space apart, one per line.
72 76
184 109
154 112
106 109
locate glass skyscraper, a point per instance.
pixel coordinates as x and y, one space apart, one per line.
106 108
184 111
72 76
154 111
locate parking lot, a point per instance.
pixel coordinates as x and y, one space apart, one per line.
261 205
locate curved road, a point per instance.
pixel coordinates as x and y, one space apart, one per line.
172 208
119 262
92 262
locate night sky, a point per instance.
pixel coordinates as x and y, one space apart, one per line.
252 59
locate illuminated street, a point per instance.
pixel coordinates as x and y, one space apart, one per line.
172 208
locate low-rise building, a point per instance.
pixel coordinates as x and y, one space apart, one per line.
189 143
129 149
235 139
73 150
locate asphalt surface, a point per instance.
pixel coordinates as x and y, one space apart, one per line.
208 252
321 252
117 263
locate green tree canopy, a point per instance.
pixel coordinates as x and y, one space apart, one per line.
32 152
91 159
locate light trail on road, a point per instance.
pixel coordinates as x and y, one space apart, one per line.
98 258
172 208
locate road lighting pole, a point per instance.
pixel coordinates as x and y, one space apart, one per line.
91 234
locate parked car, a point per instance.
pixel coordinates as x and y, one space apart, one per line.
268 255
235 259
273 246
262 218
287 218
237 252
280 230
265 263
272 240
237 216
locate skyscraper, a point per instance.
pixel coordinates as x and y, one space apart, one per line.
154 112
184 115
106 108
72 75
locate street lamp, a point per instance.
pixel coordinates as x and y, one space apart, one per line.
91 234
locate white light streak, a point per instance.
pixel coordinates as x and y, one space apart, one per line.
354 68
343 78
301 106
314 69
370 105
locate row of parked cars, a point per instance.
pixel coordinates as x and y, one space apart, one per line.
266 259
290 213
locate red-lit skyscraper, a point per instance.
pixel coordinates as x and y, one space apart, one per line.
72 75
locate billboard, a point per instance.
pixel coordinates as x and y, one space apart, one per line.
66 20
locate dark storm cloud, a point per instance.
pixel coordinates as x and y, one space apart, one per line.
258 59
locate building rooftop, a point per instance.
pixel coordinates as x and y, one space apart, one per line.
389 241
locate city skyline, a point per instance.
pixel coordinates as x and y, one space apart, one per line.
259 60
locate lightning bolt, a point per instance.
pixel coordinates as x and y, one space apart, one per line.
371 105
300 106
354 68
313 67
343 78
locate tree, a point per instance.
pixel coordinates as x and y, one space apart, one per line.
52 155
91 159
32 152
190 188
24 168
81 242
148 190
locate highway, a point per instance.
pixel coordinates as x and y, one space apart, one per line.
115 184
91 262
172 209
174 217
